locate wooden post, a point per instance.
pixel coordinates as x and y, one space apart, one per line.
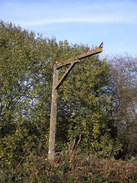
56 85
53 116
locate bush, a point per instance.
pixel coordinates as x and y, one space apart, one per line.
82 168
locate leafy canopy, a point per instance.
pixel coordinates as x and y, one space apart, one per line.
84 100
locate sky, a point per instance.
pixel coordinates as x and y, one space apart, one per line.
87 22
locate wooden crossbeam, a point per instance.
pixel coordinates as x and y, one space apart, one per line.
75 60
79 57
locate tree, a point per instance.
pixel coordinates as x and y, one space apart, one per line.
85 107
124 74
89 107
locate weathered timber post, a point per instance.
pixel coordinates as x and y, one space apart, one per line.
56 85
53 115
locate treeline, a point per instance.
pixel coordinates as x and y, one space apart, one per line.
97 104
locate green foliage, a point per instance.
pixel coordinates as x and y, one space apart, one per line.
87 96
82 169
20 74
86 108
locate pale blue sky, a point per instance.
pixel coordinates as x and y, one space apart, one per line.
79 21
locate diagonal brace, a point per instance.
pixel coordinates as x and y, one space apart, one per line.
66 74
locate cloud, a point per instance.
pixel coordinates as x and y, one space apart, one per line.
83 19
52 12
